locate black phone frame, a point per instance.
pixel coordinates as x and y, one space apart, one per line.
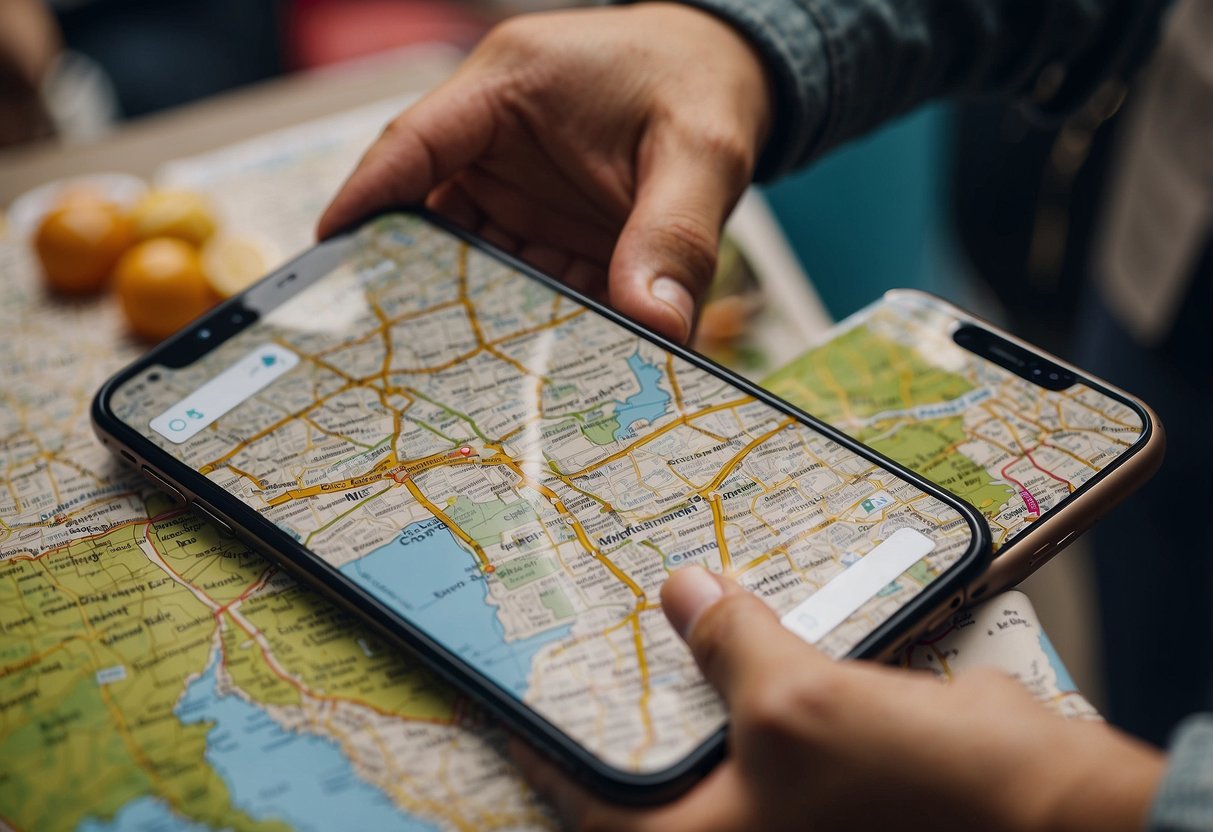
267 538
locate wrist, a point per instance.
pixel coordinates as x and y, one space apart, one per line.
1108 784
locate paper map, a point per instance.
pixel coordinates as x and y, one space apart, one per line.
154 674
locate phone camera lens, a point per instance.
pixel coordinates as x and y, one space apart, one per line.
204 334
237 317
1036 371
1054 376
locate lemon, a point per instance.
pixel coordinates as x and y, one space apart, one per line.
182 214
232 263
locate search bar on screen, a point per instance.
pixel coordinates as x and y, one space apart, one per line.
831 605
234 385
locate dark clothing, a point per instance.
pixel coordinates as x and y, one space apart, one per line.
842 67
1154 573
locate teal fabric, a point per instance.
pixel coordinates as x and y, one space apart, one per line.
873 215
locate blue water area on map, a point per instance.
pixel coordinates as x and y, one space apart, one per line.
1065 682
273 773
147 814
649 403
426 576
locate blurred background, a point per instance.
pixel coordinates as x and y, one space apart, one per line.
971 202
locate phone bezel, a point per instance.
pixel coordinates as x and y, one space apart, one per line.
1056 527
266 537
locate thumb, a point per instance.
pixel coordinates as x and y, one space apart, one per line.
666 254
733 635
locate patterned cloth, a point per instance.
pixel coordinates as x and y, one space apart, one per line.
842 67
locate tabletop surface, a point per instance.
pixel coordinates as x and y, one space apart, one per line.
141 146
240 700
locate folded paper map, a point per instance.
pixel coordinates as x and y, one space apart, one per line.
154 674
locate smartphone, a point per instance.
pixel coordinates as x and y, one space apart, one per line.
500 473
1041 448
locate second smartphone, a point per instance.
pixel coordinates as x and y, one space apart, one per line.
1040 447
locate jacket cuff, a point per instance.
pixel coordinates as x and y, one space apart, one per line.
1185 798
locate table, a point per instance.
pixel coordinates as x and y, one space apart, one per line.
140 147
115 606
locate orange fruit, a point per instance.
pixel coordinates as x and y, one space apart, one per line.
161 287
182 214
79 242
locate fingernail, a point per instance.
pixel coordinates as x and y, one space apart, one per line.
674 295
693 590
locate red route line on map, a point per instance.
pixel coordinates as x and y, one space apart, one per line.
1023 488
1002 472
1046 472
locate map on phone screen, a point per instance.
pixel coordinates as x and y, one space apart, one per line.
892 376
516 475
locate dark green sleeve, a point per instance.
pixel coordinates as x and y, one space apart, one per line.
842 67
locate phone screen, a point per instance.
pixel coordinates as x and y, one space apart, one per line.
515 474
894 377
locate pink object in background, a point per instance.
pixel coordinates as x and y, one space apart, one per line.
324 32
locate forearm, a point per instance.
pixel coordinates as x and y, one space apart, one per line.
841 67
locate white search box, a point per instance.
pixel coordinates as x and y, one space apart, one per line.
829 606
238 382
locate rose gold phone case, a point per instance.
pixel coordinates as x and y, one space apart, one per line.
1060 526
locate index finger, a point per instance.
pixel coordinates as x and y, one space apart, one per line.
425 145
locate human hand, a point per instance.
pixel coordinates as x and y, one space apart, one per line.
604 146
821 745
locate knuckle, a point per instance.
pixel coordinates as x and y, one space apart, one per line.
396 128
518 67
692 244
718 139
516 59
729 151
514 33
